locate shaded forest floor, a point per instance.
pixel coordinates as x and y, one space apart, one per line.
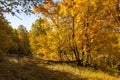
31 70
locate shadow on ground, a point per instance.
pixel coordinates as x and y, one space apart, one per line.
29 71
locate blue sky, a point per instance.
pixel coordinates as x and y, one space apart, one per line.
27 20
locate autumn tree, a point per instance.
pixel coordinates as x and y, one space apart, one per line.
38 37
3 36
6 37
86 24
85 30
24 47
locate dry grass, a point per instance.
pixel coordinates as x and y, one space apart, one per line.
29 70
84 73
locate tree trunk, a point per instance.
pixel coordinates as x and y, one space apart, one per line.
75 48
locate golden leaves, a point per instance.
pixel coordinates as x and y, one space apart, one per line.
44 7
36 9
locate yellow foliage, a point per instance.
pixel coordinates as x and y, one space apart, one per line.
80 27
36 9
